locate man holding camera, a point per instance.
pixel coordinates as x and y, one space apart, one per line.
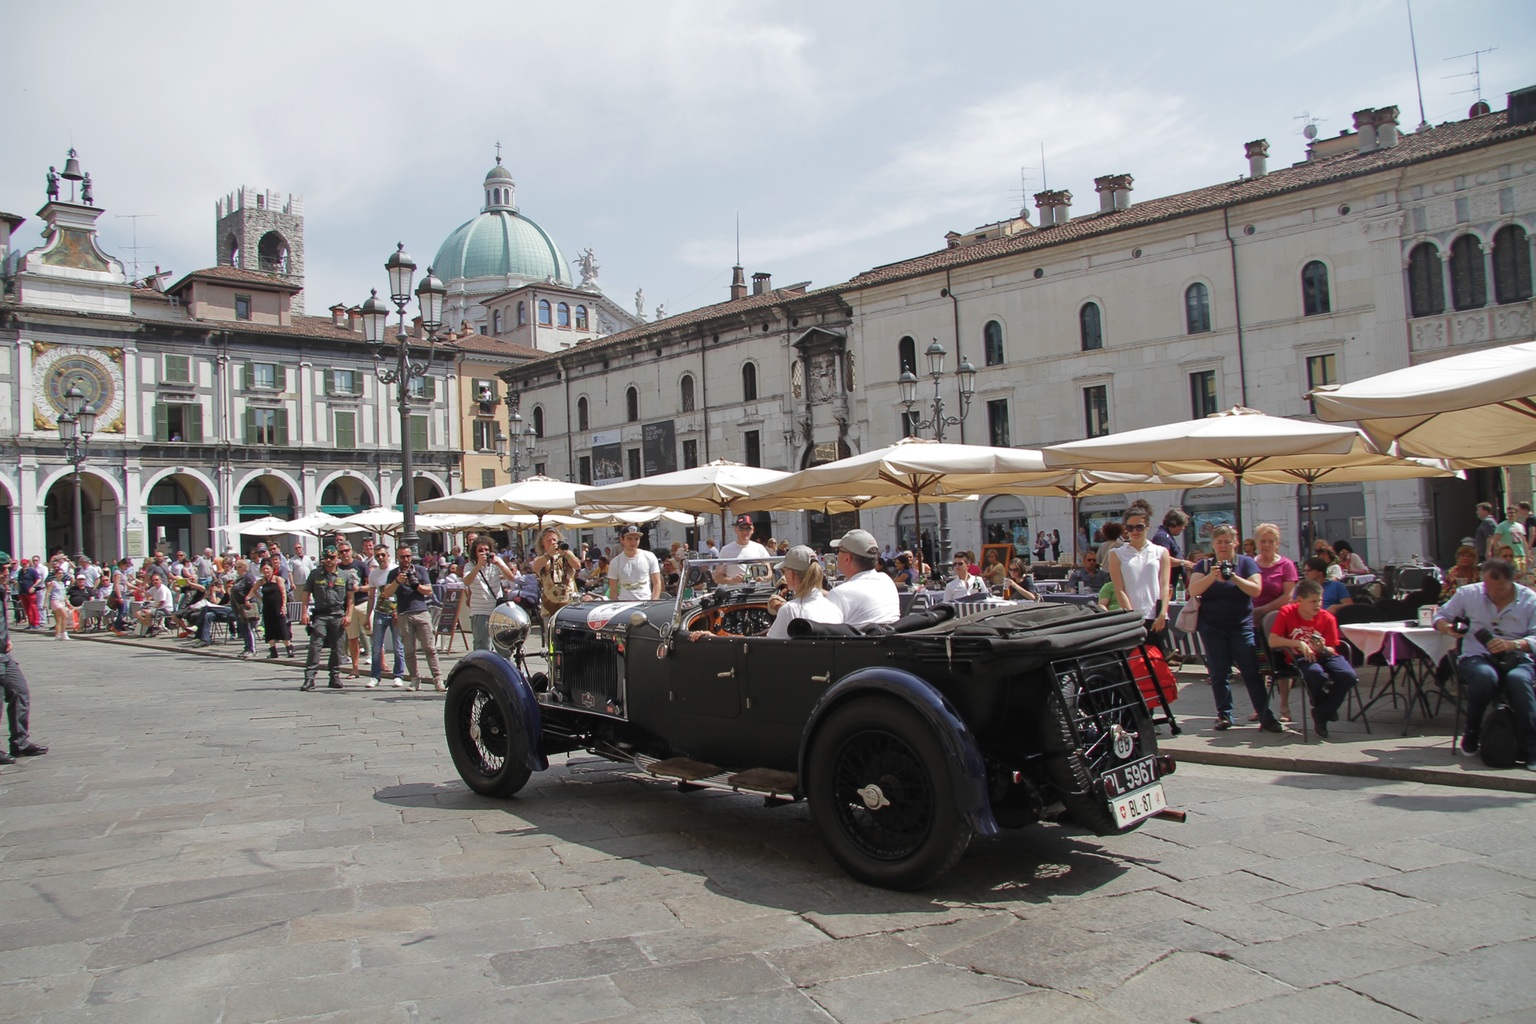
411 589
1496 620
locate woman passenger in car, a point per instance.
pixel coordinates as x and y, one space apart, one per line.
802 571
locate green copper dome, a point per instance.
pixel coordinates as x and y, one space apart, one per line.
498 243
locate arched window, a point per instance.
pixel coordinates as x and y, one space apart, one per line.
562 315
1426 281
632 405
522 313
992 343
1197 308
583 422
1511 265
687 389
1469 282
1314 289
495 321
906 353
1090 325
581 318
544 318
748 382
538 421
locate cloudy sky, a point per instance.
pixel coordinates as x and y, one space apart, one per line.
845 134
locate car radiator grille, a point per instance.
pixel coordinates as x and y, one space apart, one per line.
588 670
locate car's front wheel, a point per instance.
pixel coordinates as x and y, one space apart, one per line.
882 796
488 747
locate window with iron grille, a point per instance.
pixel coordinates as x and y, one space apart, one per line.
997 423
1096 410
1202 393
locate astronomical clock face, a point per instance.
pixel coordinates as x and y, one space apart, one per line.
96 372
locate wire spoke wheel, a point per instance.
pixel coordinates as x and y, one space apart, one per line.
485 737
883 795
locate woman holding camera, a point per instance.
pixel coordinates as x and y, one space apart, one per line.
1226 585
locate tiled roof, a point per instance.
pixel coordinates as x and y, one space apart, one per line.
236 275
15 219
1442 140
481 343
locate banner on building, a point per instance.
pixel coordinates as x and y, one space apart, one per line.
658 448
607 459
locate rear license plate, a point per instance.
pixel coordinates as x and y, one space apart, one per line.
1139 804
1128 777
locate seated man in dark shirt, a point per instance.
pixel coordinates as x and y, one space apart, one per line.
1089 578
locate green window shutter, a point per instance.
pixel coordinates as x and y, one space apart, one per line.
247 376
346 430
419 433
329 379
282 377
192 417
162 422
250 425
282 428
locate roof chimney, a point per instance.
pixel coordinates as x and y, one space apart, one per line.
1257 153
1386 127
1365 130
738 283
1047 211
1520 106
338 313
762 283
1114 192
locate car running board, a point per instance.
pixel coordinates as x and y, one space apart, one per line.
776 787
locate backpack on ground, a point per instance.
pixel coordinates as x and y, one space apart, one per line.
1501 736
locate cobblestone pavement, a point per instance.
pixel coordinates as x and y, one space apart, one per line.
206 843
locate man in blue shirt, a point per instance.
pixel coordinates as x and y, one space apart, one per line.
1505 614
1335 594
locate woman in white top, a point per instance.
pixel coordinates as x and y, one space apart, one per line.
962 584
482 590
802 573
1140 571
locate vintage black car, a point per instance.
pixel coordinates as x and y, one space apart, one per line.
905 742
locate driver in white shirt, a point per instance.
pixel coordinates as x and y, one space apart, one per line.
742 547
866 595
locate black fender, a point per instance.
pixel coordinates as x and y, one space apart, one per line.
970 780
525 706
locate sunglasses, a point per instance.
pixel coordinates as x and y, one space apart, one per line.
1136 528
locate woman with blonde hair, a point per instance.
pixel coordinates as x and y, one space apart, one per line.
802 574
1278 579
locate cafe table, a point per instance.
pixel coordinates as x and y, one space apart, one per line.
1411 651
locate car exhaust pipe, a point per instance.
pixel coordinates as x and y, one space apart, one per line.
1169 814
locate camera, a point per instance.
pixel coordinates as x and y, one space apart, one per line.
1461 624
564 546
1505 661
1225 568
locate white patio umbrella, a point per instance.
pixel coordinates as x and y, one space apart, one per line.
1232 443
266 526
1477 409
710 488
382 518
538 496
315 525
909 470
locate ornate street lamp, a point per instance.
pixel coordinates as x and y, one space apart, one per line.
511 461
430 294
966 375
76 425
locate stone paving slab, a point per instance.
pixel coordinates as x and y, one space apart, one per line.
221 847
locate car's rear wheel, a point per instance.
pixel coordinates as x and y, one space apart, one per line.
882 795
488 747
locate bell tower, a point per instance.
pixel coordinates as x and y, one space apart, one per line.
263 232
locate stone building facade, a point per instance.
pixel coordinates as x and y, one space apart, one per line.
1378 250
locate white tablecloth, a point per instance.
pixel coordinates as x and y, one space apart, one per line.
1371 637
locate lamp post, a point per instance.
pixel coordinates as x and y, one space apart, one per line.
908 381
76 425
511 460
375 315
